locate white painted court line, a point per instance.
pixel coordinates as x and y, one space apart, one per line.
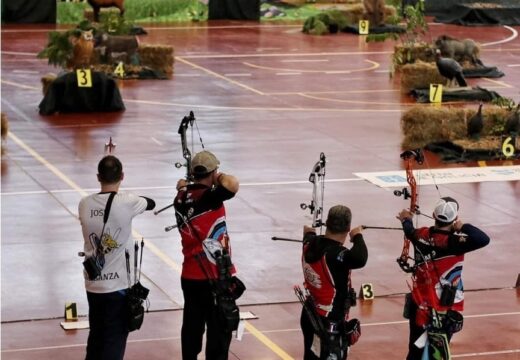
288 73
512 37
513 65
304 60
486 353
252 184
288 330
186 75
156 141
238 74
25 72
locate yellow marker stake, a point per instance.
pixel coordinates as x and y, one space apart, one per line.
120 70
84 77
71 311
363 27
366 292
508 149
435 93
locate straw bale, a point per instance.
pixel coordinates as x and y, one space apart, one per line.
422 125
356 12
484 143
409 54
157 57
419 76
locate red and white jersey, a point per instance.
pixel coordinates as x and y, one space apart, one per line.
326 268
201 217
436 267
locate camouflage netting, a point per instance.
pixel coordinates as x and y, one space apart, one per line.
423 125
331 21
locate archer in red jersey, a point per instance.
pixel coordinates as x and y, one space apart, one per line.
437 294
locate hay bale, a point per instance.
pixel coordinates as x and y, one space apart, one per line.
420 75
409 54
157 57
422 125
484 143
357 12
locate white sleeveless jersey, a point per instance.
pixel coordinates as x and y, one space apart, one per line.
116 238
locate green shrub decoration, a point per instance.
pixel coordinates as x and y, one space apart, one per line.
59 48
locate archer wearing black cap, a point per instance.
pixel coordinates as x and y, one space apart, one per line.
201 220
327 265
437 295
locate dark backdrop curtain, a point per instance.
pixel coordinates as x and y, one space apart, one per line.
29 11
234 9
475 12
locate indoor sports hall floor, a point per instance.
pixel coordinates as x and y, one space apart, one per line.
268 99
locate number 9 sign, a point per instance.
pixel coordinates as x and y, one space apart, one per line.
363 27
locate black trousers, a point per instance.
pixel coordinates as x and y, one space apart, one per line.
200 312
308 337
107 320
414 353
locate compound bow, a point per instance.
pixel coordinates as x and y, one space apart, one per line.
187 121
409 157
317 178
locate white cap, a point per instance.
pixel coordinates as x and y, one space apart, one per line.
446 210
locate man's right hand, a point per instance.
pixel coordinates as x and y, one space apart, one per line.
181 184
355 231
308 229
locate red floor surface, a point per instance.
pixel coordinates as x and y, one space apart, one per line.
268 100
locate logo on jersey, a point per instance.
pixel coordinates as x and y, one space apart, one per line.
311 276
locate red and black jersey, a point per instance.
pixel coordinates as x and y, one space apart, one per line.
326 269
201 215
439 256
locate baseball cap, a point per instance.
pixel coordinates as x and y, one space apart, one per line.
446 210
204 162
